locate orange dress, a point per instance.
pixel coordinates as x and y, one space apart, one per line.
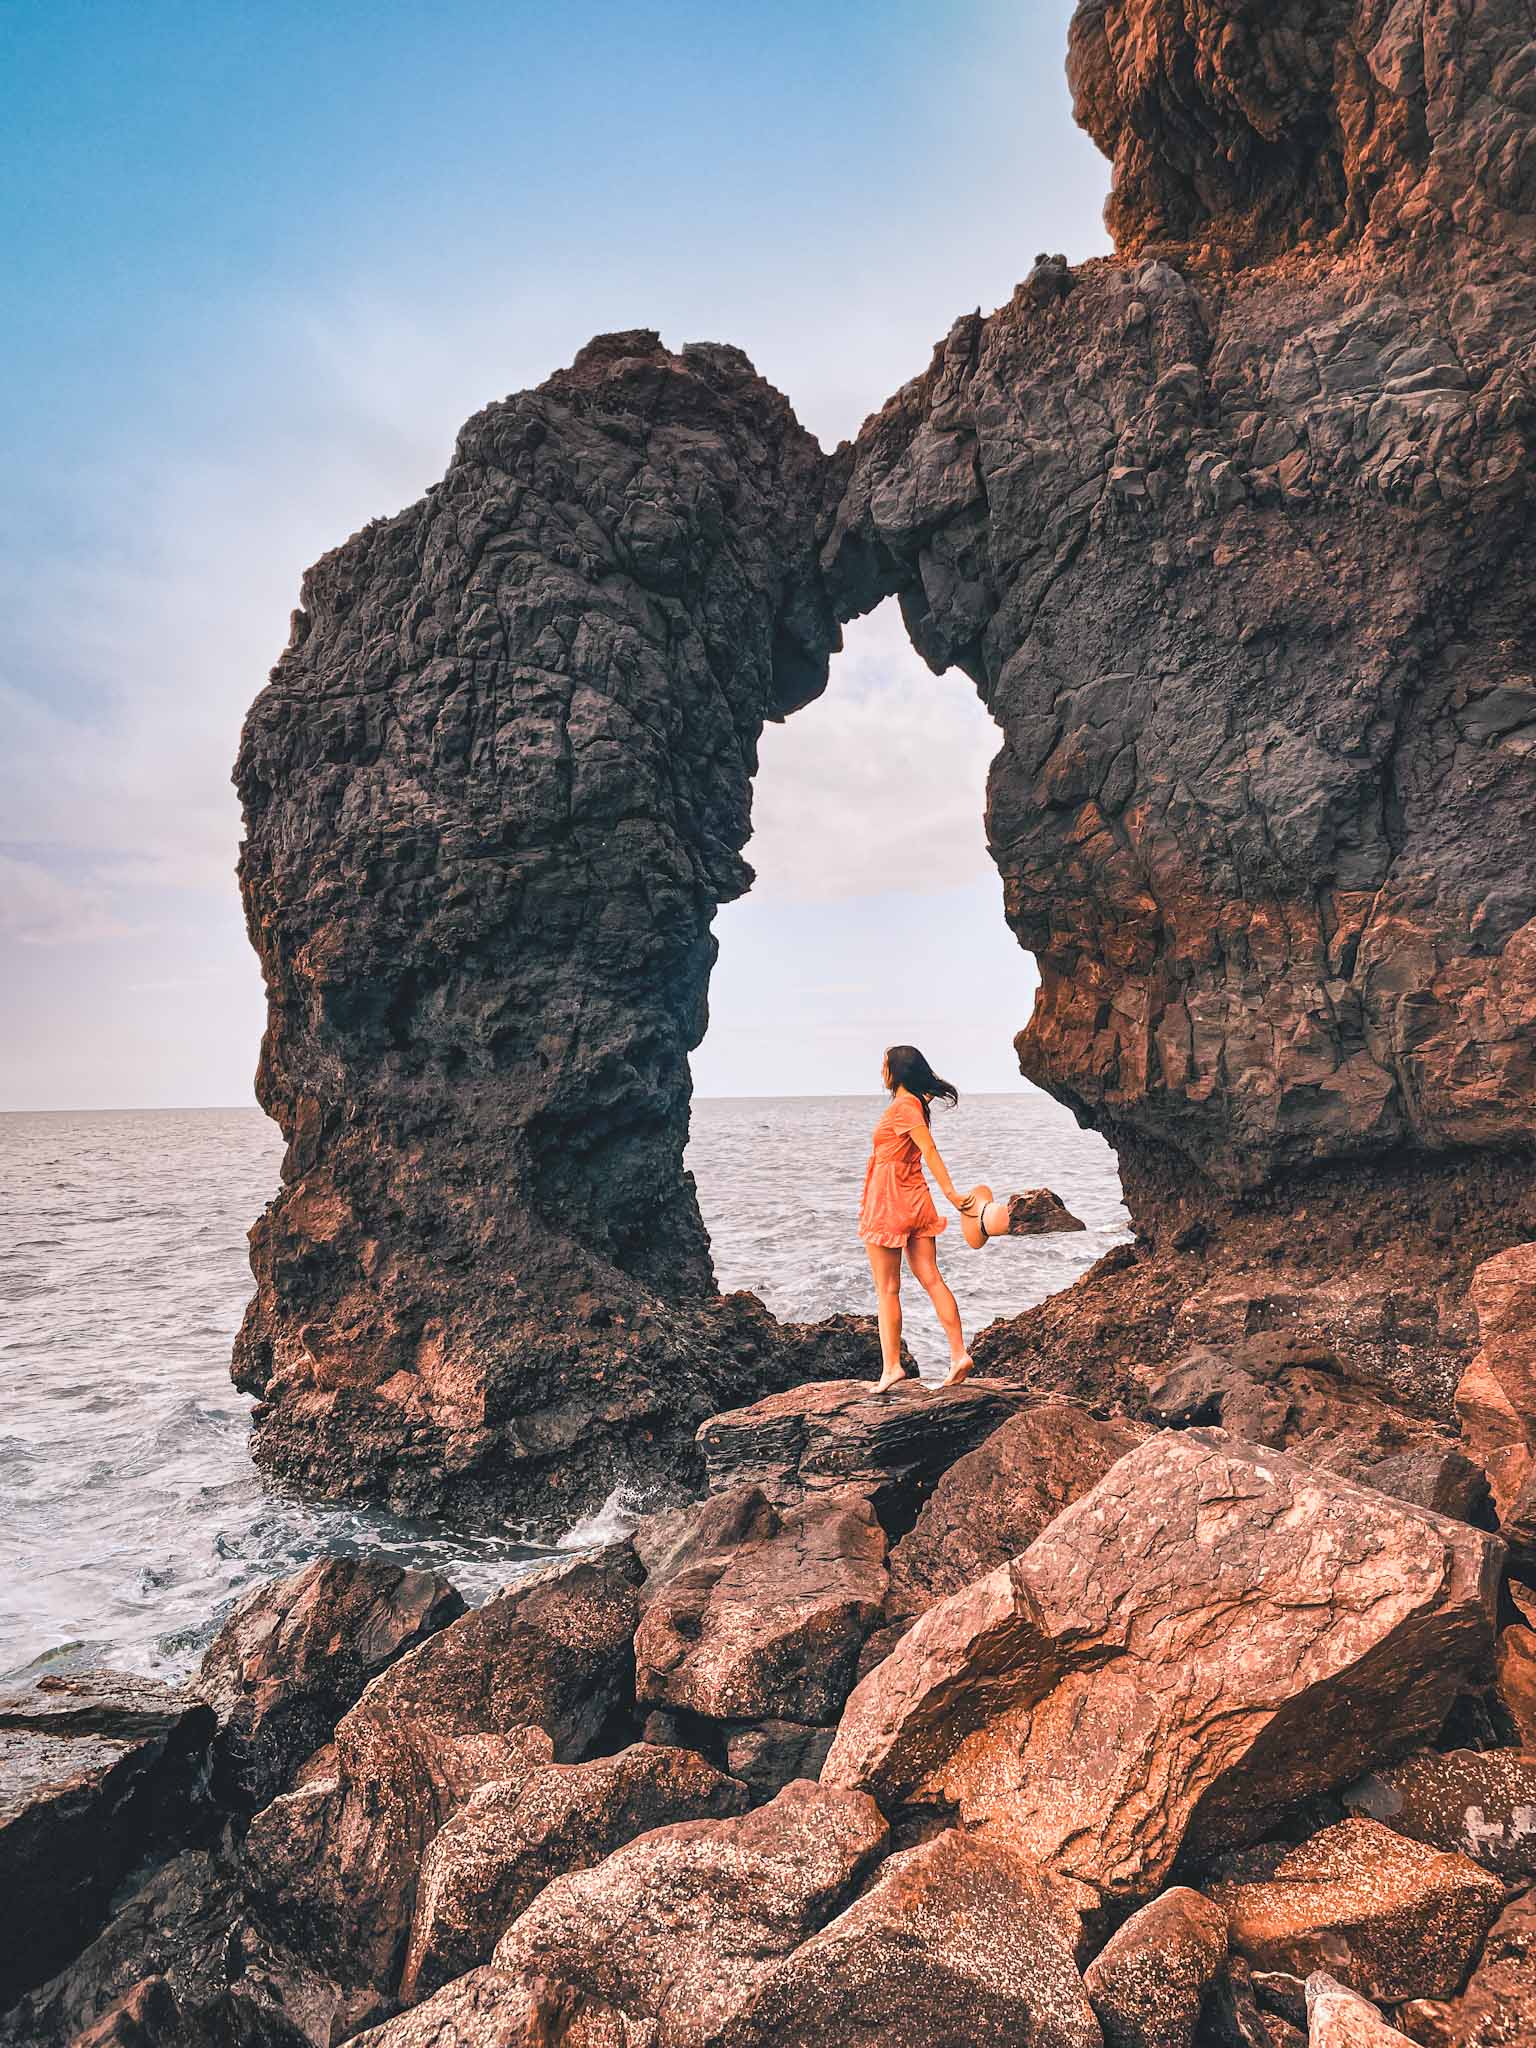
896 1204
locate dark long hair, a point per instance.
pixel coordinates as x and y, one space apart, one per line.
908 1069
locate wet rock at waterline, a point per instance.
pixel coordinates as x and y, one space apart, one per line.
296 1653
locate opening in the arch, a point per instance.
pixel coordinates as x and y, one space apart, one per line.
876 917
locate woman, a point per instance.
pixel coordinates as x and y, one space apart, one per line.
897 1212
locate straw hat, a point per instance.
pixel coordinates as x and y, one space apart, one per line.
972 1208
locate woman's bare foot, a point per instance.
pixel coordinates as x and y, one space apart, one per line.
961 1369
892 1379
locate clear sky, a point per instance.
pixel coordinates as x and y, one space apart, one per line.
263 259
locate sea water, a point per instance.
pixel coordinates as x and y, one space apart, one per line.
130 1514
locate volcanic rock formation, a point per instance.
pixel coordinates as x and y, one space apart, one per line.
1230 530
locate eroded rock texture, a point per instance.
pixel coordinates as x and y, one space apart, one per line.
494 792
1237 556
1231 531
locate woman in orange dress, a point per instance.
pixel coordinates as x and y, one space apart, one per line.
897 1215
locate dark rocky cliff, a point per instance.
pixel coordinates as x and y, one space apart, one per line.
1231 531
494 792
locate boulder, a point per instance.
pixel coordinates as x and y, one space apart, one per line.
764 1610
1149 1981
98 1772
768 1755
183 1929
486 2008
1340 2018
154 2015
1498 2007
535 1675
992 1503
511 1838
1481 1803
958 1943
682 1925
1496 1396
297 1652
1293 1396
1392 1917
1204 1640
1515 1680
841 1434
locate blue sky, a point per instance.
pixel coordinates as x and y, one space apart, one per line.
263 259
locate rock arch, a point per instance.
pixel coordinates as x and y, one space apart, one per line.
1232 530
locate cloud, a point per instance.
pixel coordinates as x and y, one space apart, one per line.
38 908
877 786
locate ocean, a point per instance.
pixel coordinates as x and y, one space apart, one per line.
130 1514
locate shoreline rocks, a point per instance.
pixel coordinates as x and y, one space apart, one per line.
96 1771
297 1652
1206 1638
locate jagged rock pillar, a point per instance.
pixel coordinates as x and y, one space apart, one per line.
1233 532
494 792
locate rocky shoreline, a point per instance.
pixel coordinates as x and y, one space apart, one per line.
950 1717
1172 1682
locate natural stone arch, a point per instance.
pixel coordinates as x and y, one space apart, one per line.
1233 533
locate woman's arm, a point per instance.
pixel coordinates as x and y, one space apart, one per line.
922 1137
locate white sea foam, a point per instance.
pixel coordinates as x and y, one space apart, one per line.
613 1521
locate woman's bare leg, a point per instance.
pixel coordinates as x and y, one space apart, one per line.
923 1259
885 1264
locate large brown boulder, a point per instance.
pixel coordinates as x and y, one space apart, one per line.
297 1652
486 2008
835 1435
1209 1636
993 1503
1392 1917
1148 1983
1496 1398
1293 1396
1481 1803
98 1772
682 1925
535 1673
959 1943
762 1613
511 1838
1498 2007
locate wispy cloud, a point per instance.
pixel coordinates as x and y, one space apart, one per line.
39 908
